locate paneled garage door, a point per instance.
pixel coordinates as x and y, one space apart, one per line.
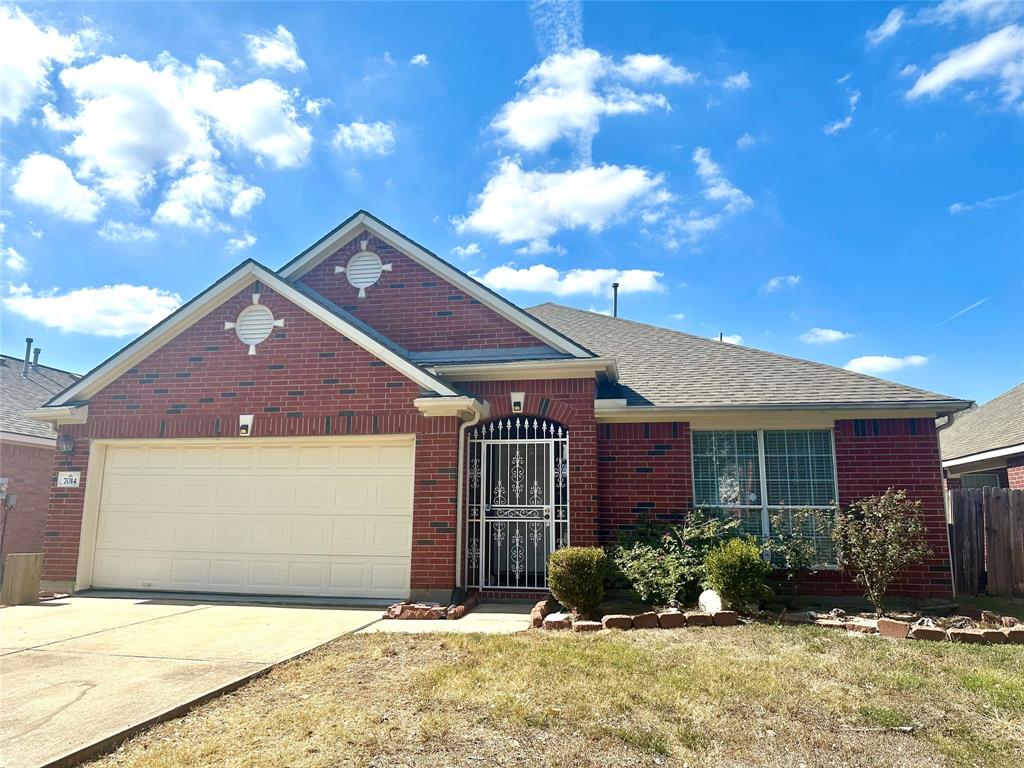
328 517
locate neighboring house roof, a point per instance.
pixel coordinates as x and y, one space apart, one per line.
240 277
665 368
19 394
997 424
366 221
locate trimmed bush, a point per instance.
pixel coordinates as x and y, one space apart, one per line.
576 577
736 570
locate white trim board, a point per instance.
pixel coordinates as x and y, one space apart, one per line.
363 221
247 273
983 455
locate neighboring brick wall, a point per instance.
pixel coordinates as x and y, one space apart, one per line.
27 469
644 473
873 455
414 307
570 402
1015 472
305 380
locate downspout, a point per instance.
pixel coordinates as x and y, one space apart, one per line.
945 500
477 415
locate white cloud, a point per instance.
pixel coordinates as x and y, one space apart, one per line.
110 310
195 199
653 67
27 54
746 141
275 49
557 25
731 338
315 106
678 316
892 24
518 205
235 244
567 94
824 336
47 181
539 247
377 138
126 232
541 278
465 251
910 70
419 60
975 11
737 82
780 281
876 364
717 188
988 202
14 260
852 99
998 56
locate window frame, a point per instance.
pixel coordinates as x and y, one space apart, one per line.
766 507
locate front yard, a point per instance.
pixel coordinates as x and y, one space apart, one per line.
755 695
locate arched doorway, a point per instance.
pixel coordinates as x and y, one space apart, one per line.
517 496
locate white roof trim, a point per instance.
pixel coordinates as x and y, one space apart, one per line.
462 406
213 297
60 414
570 368
983 455
363 221
20 439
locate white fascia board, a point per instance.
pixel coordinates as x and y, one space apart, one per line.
984 455
439 267
60 414
20 439
574 368
199 307
462 406
773 415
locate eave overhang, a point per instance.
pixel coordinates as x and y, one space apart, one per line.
461 406
604 369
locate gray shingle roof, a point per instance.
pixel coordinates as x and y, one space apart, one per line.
19 394
662 367
999 423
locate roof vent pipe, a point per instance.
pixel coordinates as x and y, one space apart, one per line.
615 299
35 358
28 353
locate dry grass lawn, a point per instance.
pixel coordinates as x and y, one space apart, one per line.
751 696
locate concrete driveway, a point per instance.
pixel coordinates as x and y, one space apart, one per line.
79 671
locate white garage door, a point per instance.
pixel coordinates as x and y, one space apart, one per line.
276 517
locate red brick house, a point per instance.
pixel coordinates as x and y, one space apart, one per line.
985 445
368 421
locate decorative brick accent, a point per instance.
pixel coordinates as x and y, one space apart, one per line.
27 469
644 472
413 306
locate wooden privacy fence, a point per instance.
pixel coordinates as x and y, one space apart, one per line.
986 539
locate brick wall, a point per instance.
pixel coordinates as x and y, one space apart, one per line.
413 306
644 473
570 402
875 454
27 469
305 380
1015 472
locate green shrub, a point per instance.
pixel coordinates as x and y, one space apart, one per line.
666 564
576 577
877 538
736 570
794 547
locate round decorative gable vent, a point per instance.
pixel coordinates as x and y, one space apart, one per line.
254 325
363 269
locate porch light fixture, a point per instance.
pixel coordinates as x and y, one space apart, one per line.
66 445
363 269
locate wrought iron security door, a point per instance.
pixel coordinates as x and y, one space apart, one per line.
517 501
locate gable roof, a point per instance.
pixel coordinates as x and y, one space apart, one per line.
364 221
997 424
245 274
660 367
19 394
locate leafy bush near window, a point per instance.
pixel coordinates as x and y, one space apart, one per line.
736 570
576 577
793 545
665 564
877 538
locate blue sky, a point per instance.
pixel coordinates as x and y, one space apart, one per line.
840 182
